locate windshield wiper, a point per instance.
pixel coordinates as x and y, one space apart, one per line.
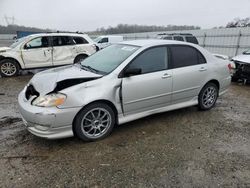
91 69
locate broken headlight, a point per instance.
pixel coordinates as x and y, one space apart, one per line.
54 99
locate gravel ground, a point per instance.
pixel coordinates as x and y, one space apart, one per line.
182 148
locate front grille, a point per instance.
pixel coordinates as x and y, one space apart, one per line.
30 92
246 68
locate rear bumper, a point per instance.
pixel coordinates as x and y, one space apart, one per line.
50 123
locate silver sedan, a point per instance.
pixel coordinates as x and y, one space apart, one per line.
121 83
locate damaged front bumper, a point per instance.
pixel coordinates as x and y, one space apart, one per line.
50 122
242 71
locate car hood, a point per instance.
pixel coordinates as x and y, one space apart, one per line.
60 78
3 49
242 58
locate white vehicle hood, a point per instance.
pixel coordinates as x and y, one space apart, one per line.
46 81
3 49
242 58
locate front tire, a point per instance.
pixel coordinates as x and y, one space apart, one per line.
9 68
94 122
208 96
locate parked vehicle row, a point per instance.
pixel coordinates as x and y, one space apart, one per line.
119 84
45 50
186 37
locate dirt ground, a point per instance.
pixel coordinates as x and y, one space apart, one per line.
182 148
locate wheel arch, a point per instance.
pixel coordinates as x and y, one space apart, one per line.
214 81
81 54
109 103
3 58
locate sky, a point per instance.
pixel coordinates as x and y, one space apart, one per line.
88 15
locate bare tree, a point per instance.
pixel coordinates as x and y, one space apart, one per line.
238 22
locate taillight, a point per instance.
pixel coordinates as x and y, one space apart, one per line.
231 68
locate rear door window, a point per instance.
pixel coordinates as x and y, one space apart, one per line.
182 56
62 41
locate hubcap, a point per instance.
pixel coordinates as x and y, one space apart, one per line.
8 69
96 122
209 97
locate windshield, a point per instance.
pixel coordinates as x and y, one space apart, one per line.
17 42
247 52
97 39
106 60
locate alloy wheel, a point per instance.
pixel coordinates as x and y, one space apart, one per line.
8 68
96 122
209 97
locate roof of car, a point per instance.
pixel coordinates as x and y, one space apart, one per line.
57 34
152 42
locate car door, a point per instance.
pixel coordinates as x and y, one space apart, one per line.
63 50
189 72
37 53
150 89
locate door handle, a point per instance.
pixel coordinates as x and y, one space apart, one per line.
166 75
44 53
202 69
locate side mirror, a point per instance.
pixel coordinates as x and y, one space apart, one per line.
131 72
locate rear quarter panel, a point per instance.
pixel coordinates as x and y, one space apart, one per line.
219 71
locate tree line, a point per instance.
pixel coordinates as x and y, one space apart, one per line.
126 28
12 29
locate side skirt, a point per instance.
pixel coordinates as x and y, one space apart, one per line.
124 119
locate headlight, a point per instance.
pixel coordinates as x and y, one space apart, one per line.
54 99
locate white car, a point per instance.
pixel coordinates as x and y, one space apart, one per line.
242 70
119 84
106 40
44 50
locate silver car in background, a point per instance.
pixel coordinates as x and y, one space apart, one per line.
121 83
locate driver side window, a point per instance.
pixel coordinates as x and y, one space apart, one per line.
104 40
151 60
40 42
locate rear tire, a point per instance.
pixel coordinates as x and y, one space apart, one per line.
94 122
208 96
80 58
9 68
